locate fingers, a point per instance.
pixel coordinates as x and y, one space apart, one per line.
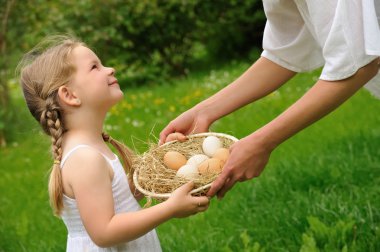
202 203
226 187
169 134
176 136
186 188
165 132
218 183
181 137
202 209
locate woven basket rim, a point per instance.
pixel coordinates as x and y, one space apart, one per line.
199 189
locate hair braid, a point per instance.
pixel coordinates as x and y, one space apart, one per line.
127 156
52 123
43 70
125 153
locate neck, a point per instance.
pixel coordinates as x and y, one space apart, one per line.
87 127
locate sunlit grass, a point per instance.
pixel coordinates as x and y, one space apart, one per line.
319 191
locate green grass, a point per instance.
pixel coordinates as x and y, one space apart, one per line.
319 192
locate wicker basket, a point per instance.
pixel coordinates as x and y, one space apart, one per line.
149 168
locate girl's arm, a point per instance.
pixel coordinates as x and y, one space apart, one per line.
90 179
249 156
262 78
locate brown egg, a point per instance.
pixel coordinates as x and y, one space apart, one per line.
212 165
174 160
222 154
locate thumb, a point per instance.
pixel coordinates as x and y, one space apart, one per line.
186 188
218 183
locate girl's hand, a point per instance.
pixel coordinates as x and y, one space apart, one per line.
189 122
248 157
183 204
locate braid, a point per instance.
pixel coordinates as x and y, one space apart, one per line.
43 70
125 153
52 124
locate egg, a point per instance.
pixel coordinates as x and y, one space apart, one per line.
197 159
212 165
222 154
174 160
188 171
210 145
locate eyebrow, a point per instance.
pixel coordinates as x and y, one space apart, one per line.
94 61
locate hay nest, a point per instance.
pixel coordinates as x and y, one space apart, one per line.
152 178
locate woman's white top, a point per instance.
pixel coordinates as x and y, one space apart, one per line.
78 239
340 35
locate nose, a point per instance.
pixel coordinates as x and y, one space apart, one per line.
112 70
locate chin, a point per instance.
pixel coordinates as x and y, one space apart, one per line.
118 98
121 96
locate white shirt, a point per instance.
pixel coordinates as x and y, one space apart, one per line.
78 239
340 35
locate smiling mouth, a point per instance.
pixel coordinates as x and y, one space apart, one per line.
112 83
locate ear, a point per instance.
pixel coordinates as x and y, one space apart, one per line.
68 97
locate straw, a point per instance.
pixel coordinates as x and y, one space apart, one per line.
152 178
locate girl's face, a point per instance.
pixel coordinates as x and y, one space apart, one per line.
94 84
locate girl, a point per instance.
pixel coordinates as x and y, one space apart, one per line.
69 91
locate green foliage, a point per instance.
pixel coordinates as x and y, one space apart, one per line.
338 237
308 244
231 28
146 41
247 245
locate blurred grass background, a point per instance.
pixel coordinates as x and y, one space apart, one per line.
319 192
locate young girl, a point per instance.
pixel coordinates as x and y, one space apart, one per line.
69 91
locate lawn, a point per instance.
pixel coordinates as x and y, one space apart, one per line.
319 192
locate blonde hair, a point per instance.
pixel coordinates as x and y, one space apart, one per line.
42 71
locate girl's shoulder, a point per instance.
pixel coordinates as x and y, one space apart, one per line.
85 161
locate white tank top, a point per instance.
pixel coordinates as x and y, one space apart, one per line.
78 239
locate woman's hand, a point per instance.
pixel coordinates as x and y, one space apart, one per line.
187 123
183 204
176 136
248 157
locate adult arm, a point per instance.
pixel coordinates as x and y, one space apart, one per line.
250 155
263 77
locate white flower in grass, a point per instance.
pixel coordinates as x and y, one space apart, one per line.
137 123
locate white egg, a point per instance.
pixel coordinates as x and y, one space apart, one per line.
210 145
188 171
197 159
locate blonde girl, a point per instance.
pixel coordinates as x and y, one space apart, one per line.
69 91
